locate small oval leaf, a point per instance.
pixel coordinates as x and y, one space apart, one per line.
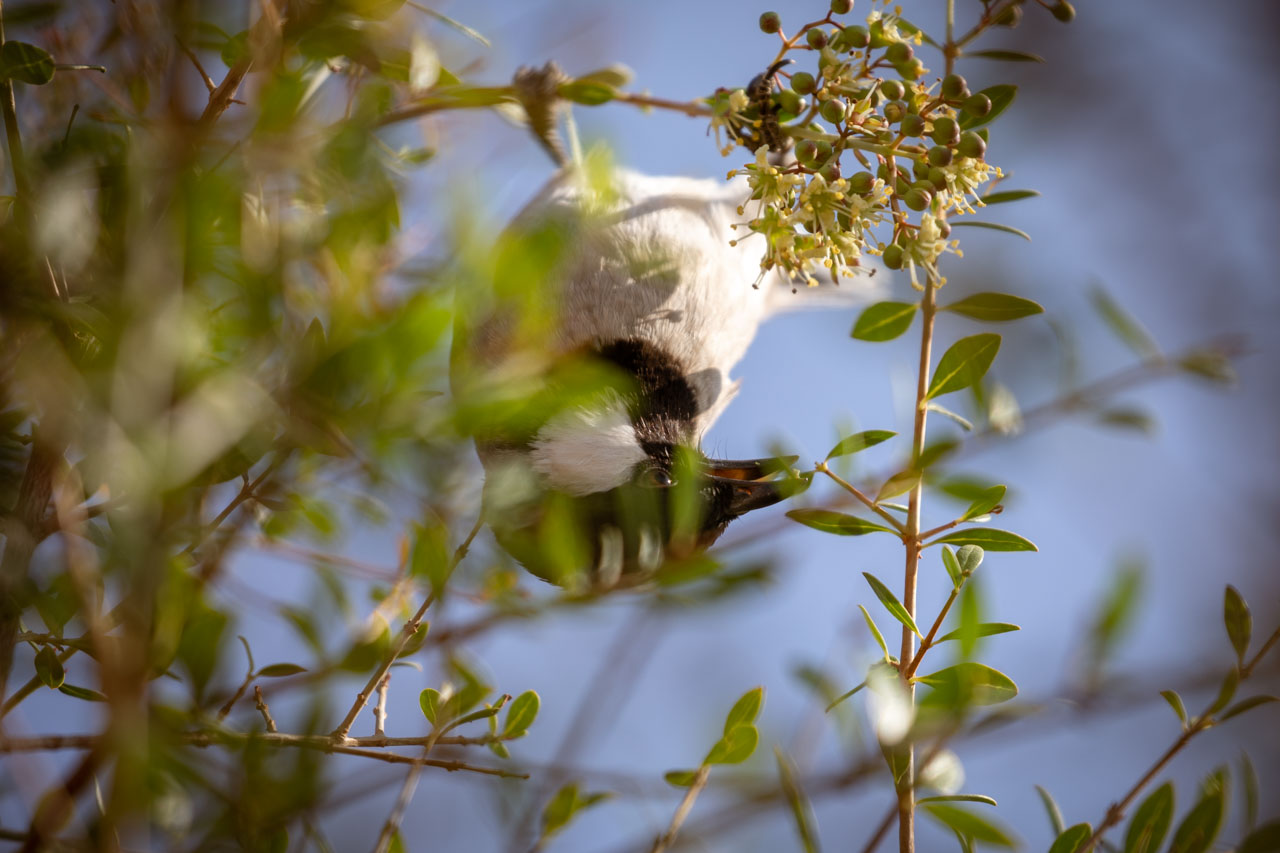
280 670
26 63
1150 822
1072 839
994 307
829 521
884 321
1001 97
745 710
735 747
964 364
891 603
988 538
521 714
859 441
1235 614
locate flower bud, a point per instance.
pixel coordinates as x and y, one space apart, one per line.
912 69
893 256
802 82
894 111
918 199
1063 11
892 90
816 38
841 7
899 51
912 125
831 172
971 145
861 182
807 152
789 102
824 152
1009 16
833 111
945 131
954 87
854 38
938 177
977 105
940 156
770 22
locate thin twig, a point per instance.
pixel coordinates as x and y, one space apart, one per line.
380 710
406 633
857 493
261 704
682 811
927 642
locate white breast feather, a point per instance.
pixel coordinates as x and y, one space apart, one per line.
588 450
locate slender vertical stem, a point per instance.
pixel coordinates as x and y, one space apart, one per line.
906 785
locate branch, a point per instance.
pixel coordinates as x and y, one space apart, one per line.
682 811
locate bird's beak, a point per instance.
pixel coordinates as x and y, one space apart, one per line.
755 482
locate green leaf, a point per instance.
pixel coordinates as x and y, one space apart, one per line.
429 701
965 423
1150 822
1235 614
990 500
745 710
81 693
970 683
884 321
1072 839
994 307
1001 97
1264 839
952 566
1175 702
280 670
615 75
875 632
801 810
49 669
970 619
838 523
587 92
1246 705
521 714
1200 827
680 778
899 484
1209 364
985 629
1128 417
1005 196
1005 55
1249 786
891 603
938 450
964 364
1228 689
988 538
970 825
1125 327
1050 806
735 747
969 557
859 441
959 798
26 63
848 694
565 805
994 226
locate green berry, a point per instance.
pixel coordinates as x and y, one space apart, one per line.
875 35
892 90
1009 16
855 37
898 52
803 82
770 22
817 38
789 102
912 125
977 105
861 182
893 256
917 199
912 69
940 156
1063 11
882 171
954 87
901 186
971 145
945 131
833 111
842 7
938 177
944 228
824 152
920 168
894 111
807 152
831 172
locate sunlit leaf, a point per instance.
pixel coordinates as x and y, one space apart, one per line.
899 484
970 825
983 505
1150 822
1072 839
1004 196
963 364
970 683
884 321
838 523
989 538
735 747
891 602
994 307
985 629
1175 702
745 710
1051 808
959 798
859 441
521 714
875 631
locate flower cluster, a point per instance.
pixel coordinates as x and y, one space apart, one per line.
877 145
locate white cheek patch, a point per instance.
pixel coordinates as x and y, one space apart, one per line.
584 451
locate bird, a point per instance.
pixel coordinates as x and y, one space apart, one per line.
590 377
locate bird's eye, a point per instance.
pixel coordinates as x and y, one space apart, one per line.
657 477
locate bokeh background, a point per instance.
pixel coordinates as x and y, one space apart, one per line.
1147 131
